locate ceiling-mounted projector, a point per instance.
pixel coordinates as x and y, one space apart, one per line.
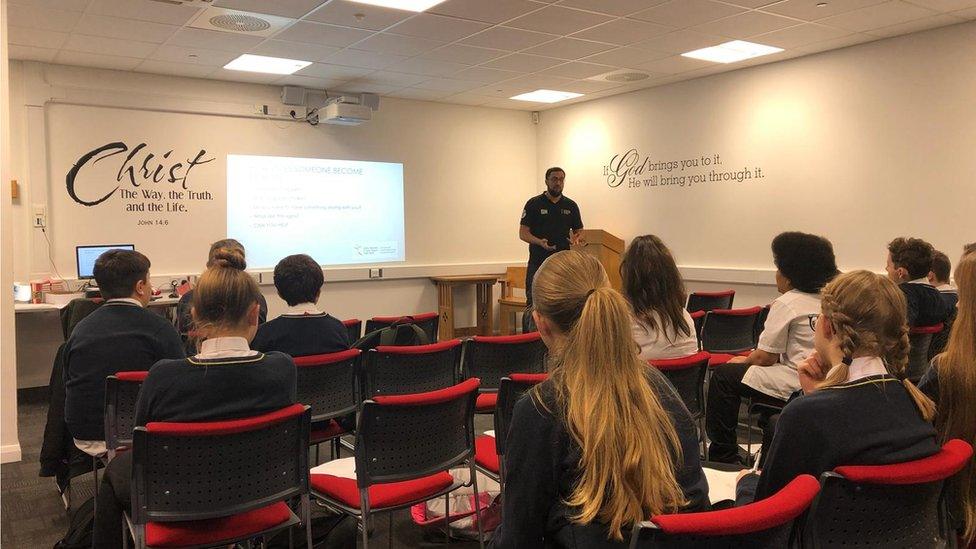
345 114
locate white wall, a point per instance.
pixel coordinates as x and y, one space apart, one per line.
862 145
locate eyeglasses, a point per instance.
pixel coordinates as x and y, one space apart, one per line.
812 319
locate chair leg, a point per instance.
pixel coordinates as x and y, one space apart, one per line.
307 517
95 480
477 506
316 454
364 503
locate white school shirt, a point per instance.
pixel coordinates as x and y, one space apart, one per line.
660 345
302 309
225 347
947 289
863 367
787 333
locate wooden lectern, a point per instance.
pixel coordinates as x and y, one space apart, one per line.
608 250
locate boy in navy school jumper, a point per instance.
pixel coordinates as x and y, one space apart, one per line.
909 261
939 279
121 335
226 380
303 329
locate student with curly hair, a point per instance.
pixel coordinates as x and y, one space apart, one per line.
858 408
804 264
909 262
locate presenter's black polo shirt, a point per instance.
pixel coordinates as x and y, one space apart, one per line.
552 221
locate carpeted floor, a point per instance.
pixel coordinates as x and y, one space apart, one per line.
33 516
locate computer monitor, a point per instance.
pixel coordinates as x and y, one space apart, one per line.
86 256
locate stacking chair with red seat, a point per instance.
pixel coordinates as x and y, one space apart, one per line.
490 358
698 317
687 375
121 393
920 339
881 506
768 523
760 323
708 301
729 332
490 450
406 446
400 370
428 322
207 484
328 384
354 329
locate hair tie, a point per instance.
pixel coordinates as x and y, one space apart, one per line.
589 293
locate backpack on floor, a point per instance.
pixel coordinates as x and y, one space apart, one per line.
402 332
80 524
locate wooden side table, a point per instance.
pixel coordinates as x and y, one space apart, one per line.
445 304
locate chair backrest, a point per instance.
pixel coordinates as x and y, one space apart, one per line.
328 384
490 358
121 393
75 311
707 301
428 322
390 370
687 374
354 329
514 278
898 505
403 437
698 317
763 524
197 471
512 388
920 339
760 324
729 330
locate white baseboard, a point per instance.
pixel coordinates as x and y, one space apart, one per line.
9 453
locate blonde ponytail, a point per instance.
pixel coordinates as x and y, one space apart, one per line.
630 448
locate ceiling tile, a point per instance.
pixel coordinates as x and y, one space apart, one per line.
309 82
504 38
917 25
459 53
577 70
558 20
429 67
515 105
522 62
612 7
358 86
626 57
320 33
623 32
468 98
532 82
344 12
681 42
401 45
366 59
569 48
294 50
196 56
812 10
336 72
125 29
482 74
687 13
753 3
214 40
877 16
800 35
838 43
965 14
495 11
154 66
35 17
448 84
746 24
65 57
70 5
109 46
284 8
30 53
945 5
388 78
144 10
23 36
589 86
420 95
675 64
244 76
437 27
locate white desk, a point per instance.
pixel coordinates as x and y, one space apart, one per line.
42 307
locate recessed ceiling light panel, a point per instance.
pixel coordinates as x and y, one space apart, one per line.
730 52
408 5
546 96
269 65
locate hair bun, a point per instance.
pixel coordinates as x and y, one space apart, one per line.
228 258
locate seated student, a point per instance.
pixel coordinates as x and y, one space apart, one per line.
605 442
651 282
951 383
804 264
226 380
303 329
939 279
857 408
184 322
909 261
121 335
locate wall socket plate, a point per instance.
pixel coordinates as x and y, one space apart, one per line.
39 219
376 273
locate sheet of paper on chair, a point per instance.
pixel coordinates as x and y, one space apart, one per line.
721 484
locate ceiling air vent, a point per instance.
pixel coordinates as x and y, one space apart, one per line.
621 76
239 22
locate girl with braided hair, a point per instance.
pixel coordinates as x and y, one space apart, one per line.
857 407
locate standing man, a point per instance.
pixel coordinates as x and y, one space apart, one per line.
550 223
